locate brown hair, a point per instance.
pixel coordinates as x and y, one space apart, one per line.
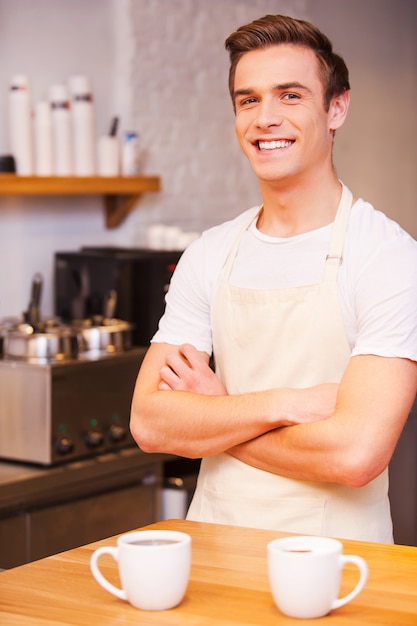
280 29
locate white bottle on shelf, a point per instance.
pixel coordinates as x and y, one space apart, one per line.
43 139
83 122
61 130
131 154
20 125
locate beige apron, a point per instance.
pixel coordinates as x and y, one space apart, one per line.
294 337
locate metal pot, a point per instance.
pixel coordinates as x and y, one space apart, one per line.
32 338
103 335
7 324
58 343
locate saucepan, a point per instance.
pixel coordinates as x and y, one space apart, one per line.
104 333
23 342
31 337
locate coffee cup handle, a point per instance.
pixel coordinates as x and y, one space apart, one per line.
362 565
114 552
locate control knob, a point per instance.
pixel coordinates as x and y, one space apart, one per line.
117 432
64 445
94 438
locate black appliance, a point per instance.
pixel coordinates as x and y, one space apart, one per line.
139 276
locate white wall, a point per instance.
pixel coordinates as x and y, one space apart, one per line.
49 40
161 65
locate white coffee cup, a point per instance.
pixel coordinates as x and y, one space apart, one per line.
305 574
154 568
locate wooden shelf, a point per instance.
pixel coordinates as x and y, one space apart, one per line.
120 193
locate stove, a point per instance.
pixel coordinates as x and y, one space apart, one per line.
54 411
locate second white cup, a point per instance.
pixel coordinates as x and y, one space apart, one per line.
305 574
154 568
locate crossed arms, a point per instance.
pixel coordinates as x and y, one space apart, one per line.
342 433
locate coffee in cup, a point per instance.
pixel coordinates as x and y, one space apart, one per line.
305 575
154 568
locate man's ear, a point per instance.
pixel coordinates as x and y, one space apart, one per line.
338 109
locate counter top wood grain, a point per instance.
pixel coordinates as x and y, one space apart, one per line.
228 586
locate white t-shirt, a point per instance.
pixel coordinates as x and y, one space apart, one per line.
377 280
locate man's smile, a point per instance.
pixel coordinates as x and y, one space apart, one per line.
273 145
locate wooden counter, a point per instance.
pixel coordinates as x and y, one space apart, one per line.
228 586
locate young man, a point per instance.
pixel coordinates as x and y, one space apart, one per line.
309 307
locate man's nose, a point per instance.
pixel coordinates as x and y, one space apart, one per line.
268 114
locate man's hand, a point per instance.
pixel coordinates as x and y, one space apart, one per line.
186 370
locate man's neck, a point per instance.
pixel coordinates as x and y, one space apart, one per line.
290 210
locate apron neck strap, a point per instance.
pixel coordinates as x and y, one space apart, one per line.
335 255
230 259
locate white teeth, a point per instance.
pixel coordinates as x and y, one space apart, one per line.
272 145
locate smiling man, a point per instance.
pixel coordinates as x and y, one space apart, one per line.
308 305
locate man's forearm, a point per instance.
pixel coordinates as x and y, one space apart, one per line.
356 443
291 451
197 425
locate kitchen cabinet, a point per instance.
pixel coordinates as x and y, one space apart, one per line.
120 193
44 510
57 527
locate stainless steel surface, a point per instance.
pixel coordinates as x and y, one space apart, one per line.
55 412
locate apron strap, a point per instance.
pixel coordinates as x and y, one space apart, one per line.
230 259
335 255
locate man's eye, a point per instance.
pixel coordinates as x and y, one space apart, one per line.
291 96
247 101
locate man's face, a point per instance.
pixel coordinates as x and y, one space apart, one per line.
281 122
